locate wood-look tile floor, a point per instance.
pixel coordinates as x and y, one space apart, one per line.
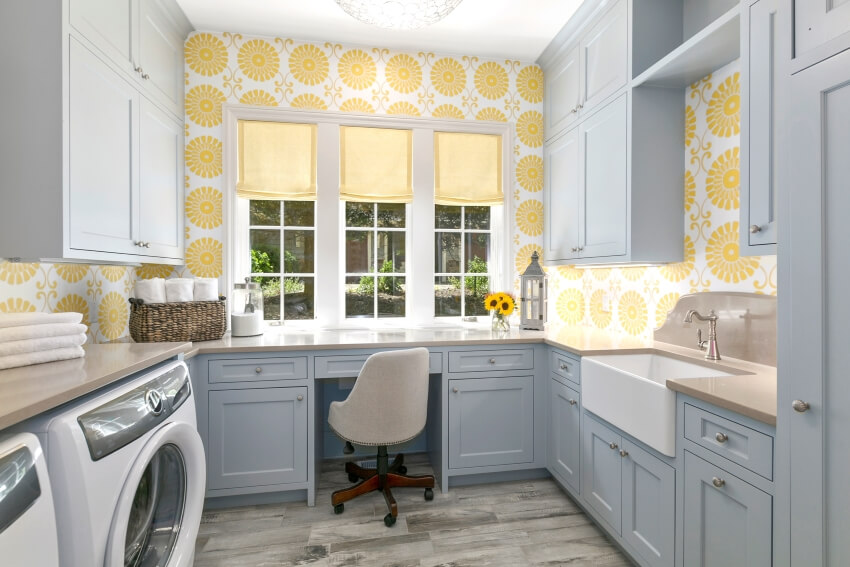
513 523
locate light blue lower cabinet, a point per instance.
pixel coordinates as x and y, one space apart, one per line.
727 521
491 421
649 505
257 437
602 472
565 434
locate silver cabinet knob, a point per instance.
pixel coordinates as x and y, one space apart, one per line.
574 249
454 390
572 402
492 361
800 406
581 248
613 445
258 369
300 398
139 243
718 482
624 453
145 76
721 437
574 110
755 229
146 244
564 366
580 106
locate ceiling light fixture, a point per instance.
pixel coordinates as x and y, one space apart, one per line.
398 14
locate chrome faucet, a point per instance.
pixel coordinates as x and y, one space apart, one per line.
710 346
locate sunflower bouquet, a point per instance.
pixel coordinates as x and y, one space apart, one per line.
500 305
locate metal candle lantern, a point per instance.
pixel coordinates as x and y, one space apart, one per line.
533 300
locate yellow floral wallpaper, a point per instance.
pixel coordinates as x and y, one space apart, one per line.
636 300
226 67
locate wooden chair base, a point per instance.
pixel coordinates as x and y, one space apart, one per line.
382 478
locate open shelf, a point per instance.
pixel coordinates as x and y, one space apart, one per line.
705 52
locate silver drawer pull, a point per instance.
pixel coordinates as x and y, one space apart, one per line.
624 453
755 229
613 445
492 361
800 406
572 402
721 437
565 366
718 482
299 398
258 369
454 390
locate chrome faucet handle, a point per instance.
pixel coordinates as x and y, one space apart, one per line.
710 346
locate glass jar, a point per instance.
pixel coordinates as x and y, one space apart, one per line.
246 309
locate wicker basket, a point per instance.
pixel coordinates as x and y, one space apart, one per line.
177 322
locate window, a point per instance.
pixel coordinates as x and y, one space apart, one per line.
462 263
375 244
282 247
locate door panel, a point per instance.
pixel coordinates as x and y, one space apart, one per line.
819 21
605 57
563 92
565 434
561 173
107 24
601 475
491 421
257 437
724 525
161 54
160 182
649 505
604 186
103 124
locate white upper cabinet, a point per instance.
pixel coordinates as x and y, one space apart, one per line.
561 199
821 28
604 53
108 25
161 54
563 93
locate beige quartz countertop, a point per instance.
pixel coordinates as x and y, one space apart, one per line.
30 390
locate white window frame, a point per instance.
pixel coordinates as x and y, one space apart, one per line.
329 267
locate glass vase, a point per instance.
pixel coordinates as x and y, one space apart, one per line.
500 323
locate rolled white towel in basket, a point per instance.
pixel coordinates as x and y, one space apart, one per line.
25 359
179 290
206 289
43 344
37 318
151 291
25 332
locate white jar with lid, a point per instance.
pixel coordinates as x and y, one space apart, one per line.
246 310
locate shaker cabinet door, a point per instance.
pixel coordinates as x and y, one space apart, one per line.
561 171
604 53
565 434
161 55
108 25
563 93
601 477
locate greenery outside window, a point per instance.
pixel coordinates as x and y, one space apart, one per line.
462 273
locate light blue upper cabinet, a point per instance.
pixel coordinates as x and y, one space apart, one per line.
563 93
561 174
604 53
764 47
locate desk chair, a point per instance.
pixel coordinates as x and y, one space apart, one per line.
387 406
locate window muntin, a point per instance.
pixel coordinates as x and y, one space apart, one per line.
375 260
282 237
463 259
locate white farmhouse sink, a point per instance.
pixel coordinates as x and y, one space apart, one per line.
630 392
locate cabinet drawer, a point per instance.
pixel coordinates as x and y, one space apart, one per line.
257 369
487 360
740 444
565 366
348 366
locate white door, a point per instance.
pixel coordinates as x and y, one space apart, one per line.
605 57
814 266
561 174
159 510
161 55
563 93
108 25
103 164
818 21
604 185
160 183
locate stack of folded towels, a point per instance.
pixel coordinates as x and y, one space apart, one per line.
33 338
177 290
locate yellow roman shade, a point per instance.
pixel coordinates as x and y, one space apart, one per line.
277 160
467 169
375 164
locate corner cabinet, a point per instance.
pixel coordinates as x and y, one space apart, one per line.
99 138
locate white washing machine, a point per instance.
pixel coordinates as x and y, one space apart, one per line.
128 473
27 522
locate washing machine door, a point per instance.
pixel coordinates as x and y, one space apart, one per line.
158 513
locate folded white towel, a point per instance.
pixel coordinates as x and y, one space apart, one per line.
151 291
26 332
25 359
37 318
179 290
36 345
206 289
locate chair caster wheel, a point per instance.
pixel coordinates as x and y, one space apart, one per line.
402 469
339 508
389 520
353 477
429 494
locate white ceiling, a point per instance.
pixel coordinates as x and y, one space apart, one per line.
515 29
